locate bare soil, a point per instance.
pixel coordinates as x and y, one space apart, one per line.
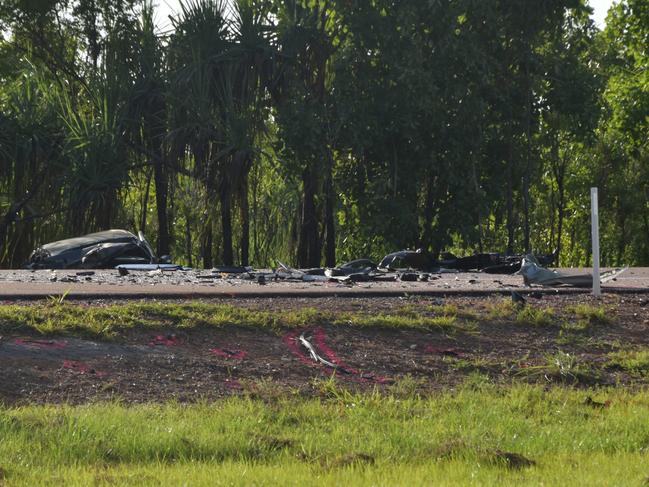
208 363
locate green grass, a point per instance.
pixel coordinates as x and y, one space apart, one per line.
585 316
108 321
529 315
635 362
481 434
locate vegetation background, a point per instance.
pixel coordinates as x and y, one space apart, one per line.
315 131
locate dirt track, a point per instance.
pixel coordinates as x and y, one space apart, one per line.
207 363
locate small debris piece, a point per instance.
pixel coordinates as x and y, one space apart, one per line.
261 279
536 295
518 299
86 273
408 276
314 355
122 271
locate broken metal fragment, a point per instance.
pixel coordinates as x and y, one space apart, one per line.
316 357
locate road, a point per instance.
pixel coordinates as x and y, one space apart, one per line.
107 284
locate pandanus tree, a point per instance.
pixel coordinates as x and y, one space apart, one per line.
222 66
196 52
147 119
305 40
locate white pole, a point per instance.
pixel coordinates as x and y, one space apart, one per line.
594 219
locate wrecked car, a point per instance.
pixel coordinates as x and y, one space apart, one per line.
101 250
409 259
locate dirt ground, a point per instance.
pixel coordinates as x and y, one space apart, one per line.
207 363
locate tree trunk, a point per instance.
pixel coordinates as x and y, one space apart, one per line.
161 188
330 229
245 223
476 187
426 239
510 202
308 255
207 246
145 202
188 242
226 222
528 160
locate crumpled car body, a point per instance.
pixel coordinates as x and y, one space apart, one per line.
409 259
101 250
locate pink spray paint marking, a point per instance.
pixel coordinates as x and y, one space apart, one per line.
291 341
233 384
320 337
82 368
41 344
320 340
165 340
229 354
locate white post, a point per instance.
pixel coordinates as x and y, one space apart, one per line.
594 219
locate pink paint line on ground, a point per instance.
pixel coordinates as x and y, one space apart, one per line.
291 341
320 340
165 340
229 354
233 384
82 368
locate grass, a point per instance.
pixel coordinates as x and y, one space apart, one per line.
58 317
635 362
480 434
532 316
562 367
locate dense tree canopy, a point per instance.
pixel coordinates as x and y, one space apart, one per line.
314 131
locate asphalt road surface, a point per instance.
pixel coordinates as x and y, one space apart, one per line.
106 284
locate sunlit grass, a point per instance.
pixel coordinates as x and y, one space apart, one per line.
551 436
108 321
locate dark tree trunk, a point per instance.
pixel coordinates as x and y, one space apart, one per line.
478 205
245 223
528 158
206 245
330 228
145 202
161 188
510 203
559 172
226 222
426 239
188 242
308 254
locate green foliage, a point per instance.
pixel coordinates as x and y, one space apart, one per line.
310 130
